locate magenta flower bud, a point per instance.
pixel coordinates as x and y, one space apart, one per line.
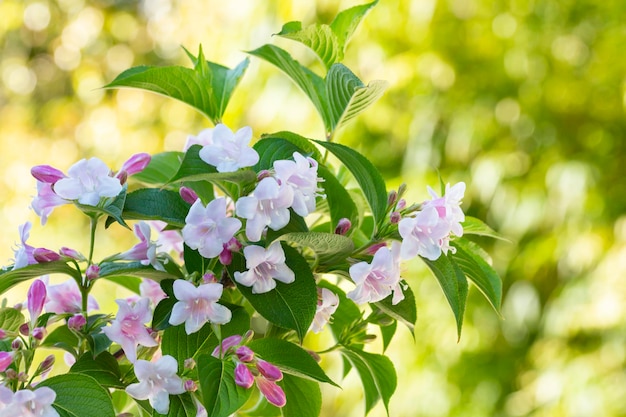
188 194
245 354
189 363
227 343
272 392
16 344
135 164
343 226
401 204
46 173
190 385
43 255
39 333
226 257
269 371
46 365
233 245
209 278
71 253
3 333
243 376
35 299
374 248
6 358
92 272
392 198
395 217
77 322
24 329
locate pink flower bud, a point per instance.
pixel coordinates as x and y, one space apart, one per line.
35 299
401 204
122 176
395 217
77 322
245 354
189 363
227 343
263 174
243 376
46 173
209 278
226 257
92 272
343 226
3 333
135 164
188 194
46 365
39 333
190 385
274 394
269 371
24 330
374 248
16 344
392 198
71 253
233 245
6 358
43 255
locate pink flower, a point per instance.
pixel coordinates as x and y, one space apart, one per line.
88 182
43 255
168 241
379 279
326 306
228 151
35 299
6 358
128 328
46 174
301 175
272 392
27 403
135 164
265 266
45 201
208 229
156 382
145 250
227 343
151 290
268 205
198 305
66 298
76 322
24 253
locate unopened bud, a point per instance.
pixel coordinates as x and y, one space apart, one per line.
314 355
401 189
16 344
209 278
46 365
401 204
343 225
122 176
39 333
24 329
263 174
22 377
188 194
6 358
226 256
245 354
395 217
374 248
226 344
92 272
35 299
392 197
247 336
269 371
136 163
189 363
77 322
11 374
71 253
190 385
3 333
243 376
46 173
43 255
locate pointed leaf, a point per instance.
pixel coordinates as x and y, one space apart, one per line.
474 226
181 405
328 247
136 269
79 395
63 338
320 38
347 21
454 285
304 397
218 392
11 319
104 368
405 311
340 203
156 204
300 144
11 277
161 168
387 333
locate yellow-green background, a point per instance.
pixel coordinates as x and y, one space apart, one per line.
523 100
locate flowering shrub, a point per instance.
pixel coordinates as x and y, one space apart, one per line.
242 250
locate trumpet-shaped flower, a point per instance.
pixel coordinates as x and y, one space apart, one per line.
128 328
145 250
265 266
377 280
227 151
27 403
268 205
156 382
208 229
301 175
45 201
66 298
327 304
151 290
89 180
198 305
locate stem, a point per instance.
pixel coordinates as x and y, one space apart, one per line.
92 238
330 349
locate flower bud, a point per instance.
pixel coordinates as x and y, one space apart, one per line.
263 174
77 322
374 248
188 195
11 374
22 377
226 344
190 385
209 278
401 204
243 376
272 392
71 253
392 197
245 354
46 173
16 344
39 333
92 272
343 226
401 189
269 371
24 330
395 217
122 176
46 365
43 255
135 164
189 363
3 334
35 299
6 358
226 256
247 336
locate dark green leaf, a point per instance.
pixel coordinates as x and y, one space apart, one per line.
387 333
11 277
104 368
128 282
62 337
135 268
405 311
304 397
79 395
218 392
161 168
181 405
340 204
163 310
320 38
156 204
11 319
328 247
300 144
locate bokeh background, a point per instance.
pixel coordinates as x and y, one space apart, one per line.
523 100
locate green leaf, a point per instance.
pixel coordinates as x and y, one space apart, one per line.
338 199
135 268
156 204
218 392
347 21
128 282
181 405
311 83
405 311
304 397
112 208
79 395
320 38
11 277
290 306
104 368
328 247
348 96
283 150
479 271
290 358
163 310
377 375
368 177
474 226
161 168
193 168
11 319
387 332
454 285
63 338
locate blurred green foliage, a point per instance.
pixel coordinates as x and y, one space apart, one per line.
522 100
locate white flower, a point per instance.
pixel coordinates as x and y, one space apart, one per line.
301 175
264 267
89 181
327 304
208 228
225 150
144 251
198 305
379 279
268 205
27 403
156 382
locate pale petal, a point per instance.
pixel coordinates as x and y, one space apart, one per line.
185 290
256 255
160 401
166 366
211 292
284 274
246 278
180 313
220 314
359 272
246 207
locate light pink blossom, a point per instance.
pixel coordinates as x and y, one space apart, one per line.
135 164
151 290
27 403
326 306
378 279
45 201
24 253
208 228
66 298
6 358
89 180
156 382
228 151
168 241
198 305
146 250
128 328
301 175
265 266
268 205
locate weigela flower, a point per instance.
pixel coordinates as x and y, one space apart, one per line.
6 358
225 150
35 299
265 266
272 392
45 201
208 229
198 305
27 403
268 205
151 290
377 280
327 304
156 382
134 165
128 328
66 298
88 181
145 250
46 174
24 253
301 175
228 342
168 241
